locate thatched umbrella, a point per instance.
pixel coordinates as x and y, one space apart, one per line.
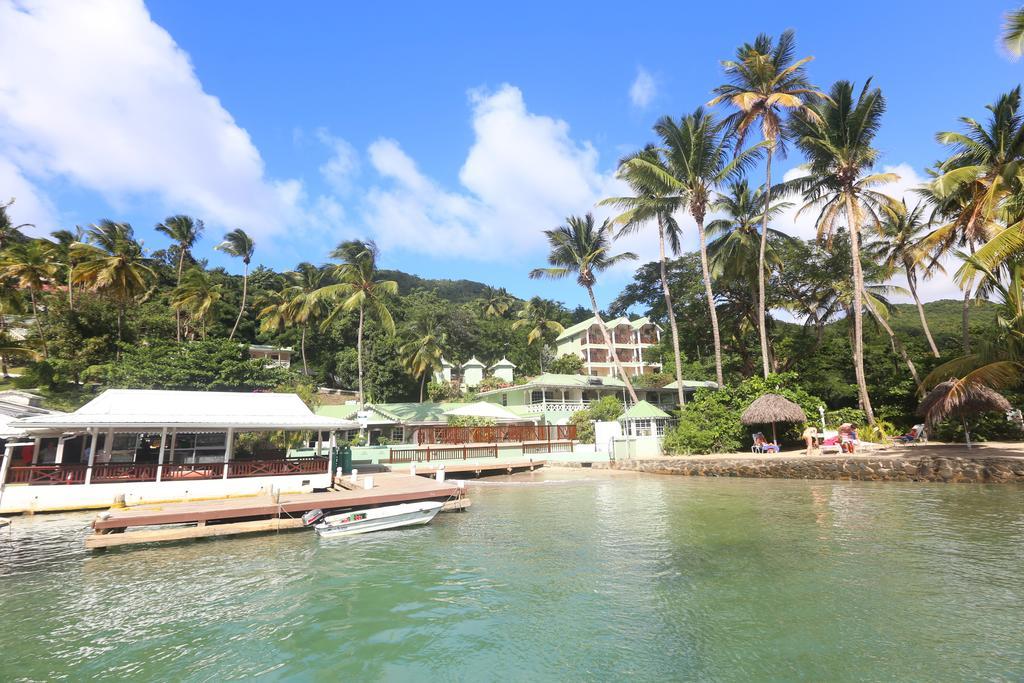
956 398
772 408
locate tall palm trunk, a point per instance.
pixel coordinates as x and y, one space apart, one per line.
762 316
302 347
858 312
912 283
423 383
71 299
39 323
671 313
897 346
177 312
3 357
706 270
245 290
611 347
359 354
965 314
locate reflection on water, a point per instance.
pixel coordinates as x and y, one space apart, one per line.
550 576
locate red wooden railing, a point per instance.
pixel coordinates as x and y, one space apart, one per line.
552 447
429 454
108 472
496 434
192 470
272 468
47 474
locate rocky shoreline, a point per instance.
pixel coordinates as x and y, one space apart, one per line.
987 469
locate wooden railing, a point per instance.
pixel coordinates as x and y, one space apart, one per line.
107 473
273 468
429 454
496 434
548 447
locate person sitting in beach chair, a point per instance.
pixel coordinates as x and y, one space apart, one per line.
762 445
915 435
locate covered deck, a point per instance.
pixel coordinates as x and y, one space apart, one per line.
158 439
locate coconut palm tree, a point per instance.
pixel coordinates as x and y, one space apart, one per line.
696 162
653 201
274 312
31 265
734 244
582 249
899 248
185 231
11 303
305 304
495 303
835 137
196 296
238 244
539 315
62 252
421 354
358 289
9 232
766 82
1013 32
112 261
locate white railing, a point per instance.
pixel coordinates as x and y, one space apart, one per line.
557 406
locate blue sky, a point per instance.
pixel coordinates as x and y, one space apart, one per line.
452 134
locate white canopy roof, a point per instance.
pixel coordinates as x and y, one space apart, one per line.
154 409
485 409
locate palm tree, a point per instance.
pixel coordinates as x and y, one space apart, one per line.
186 231
62 251
112 261
11 303
653 200
305 303
734 246
1013 32
9 232
274 313
422 354
973 186
31 265
238 244
539 315
358 289
580 248
899 248
196 295
836 138
696 162
495 303
765 83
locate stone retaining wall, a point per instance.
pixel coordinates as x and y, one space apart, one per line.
894 468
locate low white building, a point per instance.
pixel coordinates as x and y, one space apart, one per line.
151 446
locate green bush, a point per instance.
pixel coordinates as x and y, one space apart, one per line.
469 421
834 418
439 392
35 375
607 409
710 423
492 382
569 364
655 380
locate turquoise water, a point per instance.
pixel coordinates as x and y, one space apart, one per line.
551 576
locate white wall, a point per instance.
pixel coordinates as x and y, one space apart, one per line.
56 497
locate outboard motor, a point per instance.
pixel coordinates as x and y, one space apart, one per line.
312 517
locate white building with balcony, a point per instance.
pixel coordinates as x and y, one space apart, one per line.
629 337
275 357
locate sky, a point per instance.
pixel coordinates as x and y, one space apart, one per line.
452 134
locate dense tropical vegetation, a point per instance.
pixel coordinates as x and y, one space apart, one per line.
92 307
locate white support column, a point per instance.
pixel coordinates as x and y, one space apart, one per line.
108 446
92 456
319 443
35 451
160 457
59 458
6 464
229 450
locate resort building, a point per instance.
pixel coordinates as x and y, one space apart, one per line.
629 337
644 419
148 446
275 356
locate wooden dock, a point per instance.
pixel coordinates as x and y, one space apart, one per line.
480 469
261 513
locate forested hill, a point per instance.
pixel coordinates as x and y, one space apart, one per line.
945 317
455 291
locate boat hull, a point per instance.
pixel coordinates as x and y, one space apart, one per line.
377 519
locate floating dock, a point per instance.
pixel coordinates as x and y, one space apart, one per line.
479 469
262 513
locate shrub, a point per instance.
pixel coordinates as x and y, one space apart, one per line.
469 421
35 375
655 380
491 382
569 364
834 418
606 409
442 391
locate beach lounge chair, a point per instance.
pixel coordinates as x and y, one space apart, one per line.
830 442
917 434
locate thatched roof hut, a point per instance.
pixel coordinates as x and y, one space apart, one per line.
772 408
958 399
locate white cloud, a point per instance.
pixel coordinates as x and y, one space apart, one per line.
643 89
523 173
341 169
95 93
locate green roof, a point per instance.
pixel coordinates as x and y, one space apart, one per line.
394 412
562 382
622 320
643 411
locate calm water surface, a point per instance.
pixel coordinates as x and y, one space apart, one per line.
551 576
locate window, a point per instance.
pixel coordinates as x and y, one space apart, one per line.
541 396
659 427
504 399
398 434
642 427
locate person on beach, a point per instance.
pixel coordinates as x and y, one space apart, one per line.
810 437
847 436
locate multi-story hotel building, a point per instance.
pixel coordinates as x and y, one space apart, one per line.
629 337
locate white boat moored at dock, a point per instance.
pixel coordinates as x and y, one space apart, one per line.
373 519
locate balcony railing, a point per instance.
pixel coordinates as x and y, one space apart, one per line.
557 407
108 473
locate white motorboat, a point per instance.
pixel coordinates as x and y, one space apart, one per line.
373 519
